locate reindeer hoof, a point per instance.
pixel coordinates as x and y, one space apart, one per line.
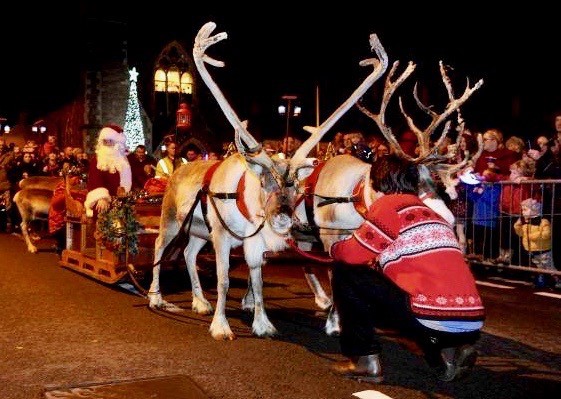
224 337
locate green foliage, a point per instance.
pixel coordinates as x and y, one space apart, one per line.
118 227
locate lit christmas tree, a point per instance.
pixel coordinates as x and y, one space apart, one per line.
133 124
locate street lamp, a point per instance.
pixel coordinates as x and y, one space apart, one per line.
289 111
4 127
39 127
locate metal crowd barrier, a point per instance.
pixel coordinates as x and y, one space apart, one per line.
490 240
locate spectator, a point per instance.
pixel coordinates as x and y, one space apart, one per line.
535 231
502 157
516 144
485 199
512 194
166 166
193 154
143 167
289 147
49 146
51 165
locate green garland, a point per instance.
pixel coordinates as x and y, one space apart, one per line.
118 226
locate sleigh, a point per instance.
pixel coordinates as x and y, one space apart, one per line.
87 253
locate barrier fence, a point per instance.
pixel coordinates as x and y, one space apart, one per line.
494 232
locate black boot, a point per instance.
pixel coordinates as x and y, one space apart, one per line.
363 368
457 362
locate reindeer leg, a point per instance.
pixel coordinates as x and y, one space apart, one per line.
253 250
154 293
199 305
321 299
332 325
25 233
219 328
248 301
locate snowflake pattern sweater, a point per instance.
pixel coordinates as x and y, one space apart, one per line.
417 250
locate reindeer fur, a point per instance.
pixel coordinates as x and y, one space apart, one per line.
180 197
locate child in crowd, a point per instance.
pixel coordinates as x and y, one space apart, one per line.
535 232
485 199
513 193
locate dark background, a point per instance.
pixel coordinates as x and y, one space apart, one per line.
279 48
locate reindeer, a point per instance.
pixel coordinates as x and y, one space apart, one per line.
237 201
33 201
343 182
265 223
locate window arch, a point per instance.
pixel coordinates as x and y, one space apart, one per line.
173 80
160 80
186 83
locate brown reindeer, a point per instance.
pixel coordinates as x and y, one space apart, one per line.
33 201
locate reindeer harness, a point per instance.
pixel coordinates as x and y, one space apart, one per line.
238 196
357 197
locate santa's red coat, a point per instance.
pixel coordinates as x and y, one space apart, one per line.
103 184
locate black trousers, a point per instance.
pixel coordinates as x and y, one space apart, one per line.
365 300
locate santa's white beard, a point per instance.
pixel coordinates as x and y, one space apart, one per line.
110 159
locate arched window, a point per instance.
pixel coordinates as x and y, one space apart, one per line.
160 80
173 80
186 83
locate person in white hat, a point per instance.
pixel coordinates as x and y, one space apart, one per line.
109 170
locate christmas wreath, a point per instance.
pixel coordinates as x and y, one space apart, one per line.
118 228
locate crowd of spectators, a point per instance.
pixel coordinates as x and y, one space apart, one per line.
479 210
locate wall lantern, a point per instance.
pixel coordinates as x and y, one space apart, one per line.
183 116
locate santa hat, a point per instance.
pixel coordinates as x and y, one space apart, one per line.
112 132
533 206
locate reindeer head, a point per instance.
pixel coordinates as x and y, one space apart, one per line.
428 152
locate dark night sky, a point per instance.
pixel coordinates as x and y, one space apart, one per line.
273 52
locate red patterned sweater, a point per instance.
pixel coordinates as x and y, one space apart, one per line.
417 250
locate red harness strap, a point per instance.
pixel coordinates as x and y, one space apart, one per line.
207 178
238 195
240 200
309 189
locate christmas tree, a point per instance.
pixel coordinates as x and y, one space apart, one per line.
133 124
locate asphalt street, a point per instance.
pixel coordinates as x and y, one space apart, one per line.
60 330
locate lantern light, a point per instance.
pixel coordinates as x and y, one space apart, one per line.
183 116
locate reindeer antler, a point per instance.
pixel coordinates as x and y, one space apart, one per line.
203 41
427 153
379 68
389 89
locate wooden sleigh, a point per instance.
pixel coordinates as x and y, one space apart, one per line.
89 255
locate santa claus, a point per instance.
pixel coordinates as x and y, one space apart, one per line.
109 170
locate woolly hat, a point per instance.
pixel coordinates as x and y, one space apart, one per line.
533 207
112 132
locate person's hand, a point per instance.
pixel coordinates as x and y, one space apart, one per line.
102 205
534 154
148 169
